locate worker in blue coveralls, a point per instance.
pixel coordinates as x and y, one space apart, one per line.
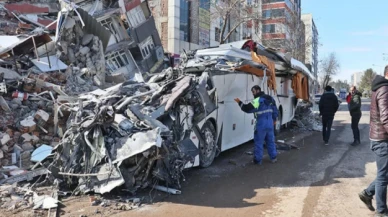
264 109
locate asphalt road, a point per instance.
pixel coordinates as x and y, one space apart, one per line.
316 180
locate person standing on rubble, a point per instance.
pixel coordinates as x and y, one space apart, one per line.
355 112
378 134
265 111
328 106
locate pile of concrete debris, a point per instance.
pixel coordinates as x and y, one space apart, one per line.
13 197
120 136
123 135
306 119
61 126
128 135
23 17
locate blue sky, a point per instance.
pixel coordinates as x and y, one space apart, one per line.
357 31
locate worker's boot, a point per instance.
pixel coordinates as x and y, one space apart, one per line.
385 214
367 200
274 160
355 143
256 162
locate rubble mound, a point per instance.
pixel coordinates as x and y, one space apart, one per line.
306 119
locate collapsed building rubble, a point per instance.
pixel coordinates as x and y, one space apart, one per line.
118 135
123 136
129 135
306 119
58 124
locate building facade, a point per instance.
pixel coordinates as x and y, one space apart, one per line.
282 28
356 78
251 29
189 25
184 25
311 42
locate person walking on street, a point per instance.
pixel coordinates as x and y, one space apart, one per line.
265 111
378 135
328 106
355 112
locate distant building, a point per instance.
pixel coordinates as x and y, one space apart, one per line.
311 41
356 78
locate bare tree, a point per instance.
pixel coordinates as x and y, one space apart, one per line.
329 67
233 13
339 84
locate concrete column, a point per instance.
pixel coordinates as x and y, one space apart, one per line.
173 26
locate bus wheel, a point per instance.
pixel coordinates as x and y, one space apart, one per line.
207 152
278 124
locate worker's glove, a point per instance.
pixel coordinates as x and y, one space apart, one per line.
237 100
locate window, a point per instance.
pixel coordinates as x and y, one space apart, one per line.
217 35
136 16
116 60
288 2
274 13
269 28
246 32
266 13
109 25
184 20
205 4
146 47
256 28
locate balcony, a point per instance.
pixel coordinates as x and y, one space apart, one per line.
141 32
152 60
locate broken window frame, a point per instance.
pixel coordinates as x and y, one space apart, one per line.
146 47
136 16
108 24
217 34
116 60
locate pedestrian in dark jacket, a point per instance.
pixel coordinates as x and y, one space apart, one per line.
378 135
328 106
355 112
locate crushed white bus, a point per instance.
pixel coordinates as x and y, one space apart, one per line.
231 70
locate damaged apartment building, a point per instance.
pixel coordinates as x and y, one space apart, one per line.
21 17
131 47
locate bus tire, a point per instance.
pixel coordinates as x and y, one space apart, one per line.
278 125
207 152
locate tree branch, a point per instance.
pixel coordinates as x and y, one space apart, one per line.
232 30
